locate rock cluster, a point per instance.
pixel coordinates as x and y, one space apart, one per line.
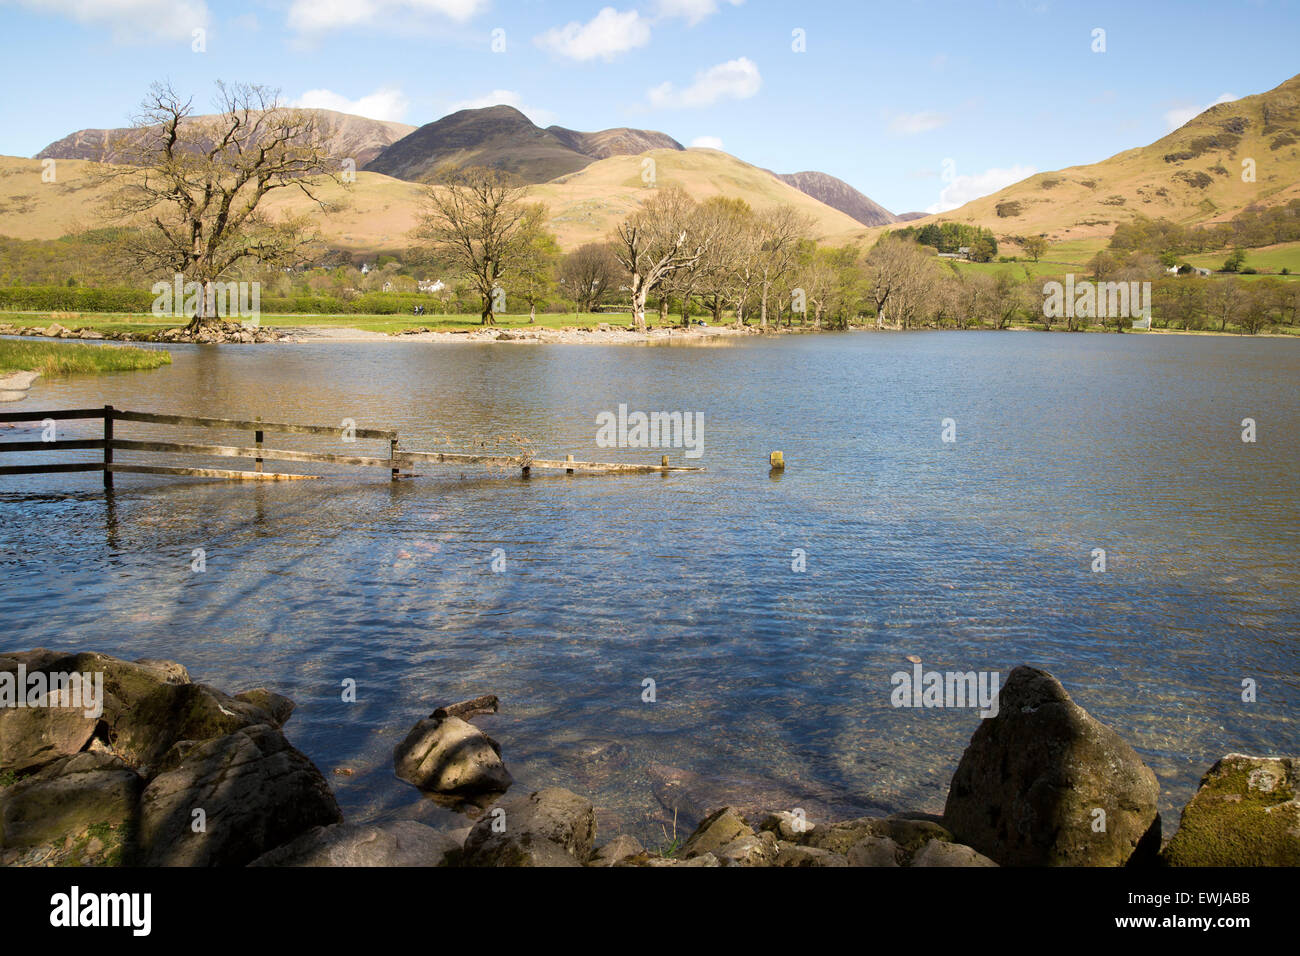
174 773
213 333
169 773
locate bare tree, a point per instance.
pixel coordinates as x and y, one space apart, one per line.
190 189
478 223
902 277
1225 300
733 220
656 241
779 232
589 273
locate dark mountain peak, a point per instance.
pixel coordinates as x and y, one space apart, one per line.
838 194
621 141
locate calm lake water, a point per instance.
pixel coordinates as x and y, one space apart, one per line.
974 555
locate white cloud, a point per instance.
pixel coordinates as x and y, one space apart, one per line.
131 20
692 11
734 80
1177 117
317 16
505 98
707 142
606 35
909 124
385 104
965 188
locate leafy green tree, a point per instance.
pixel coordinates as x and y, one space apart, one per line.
1035 247
1235 261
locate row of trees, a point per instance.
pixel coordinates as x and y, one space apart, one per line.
1166 240
195 193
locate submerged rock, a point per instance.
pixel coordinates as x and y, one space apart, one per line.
1044 783
616 851
451 756
694 796
1246 813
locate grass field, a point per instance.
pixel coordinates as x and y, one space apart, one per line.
65 358
1284 255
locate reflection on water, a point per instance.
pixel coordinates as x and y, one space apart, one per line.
974 555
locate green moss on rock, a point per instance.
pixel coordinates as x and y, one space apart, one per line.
1244 814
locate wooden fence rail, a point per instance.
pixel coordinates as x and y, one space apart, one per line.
396 461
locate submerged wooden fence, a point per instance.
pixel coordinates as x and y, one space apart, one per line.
398 462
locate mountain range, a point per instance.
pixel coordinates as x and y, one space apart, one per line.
1232 156
497 136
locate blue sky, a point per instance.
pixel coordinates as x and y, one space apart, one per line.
881 95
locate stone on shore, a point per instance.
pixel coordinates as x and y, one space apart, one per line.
68 797
552 827
451 756
1033 783
278 707
875 851
148 706
1246 813
715 831
254 790
938 853
400 843
14 386
792 854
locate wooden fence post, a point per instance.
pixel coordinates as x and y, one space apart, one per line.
392 456
108 447
257 440
568 471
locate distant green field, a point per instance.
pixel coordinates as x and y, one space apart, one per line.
1285 255
1061 257
1018 269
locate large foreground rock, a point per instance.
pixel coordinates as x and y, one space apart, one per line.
148 706
451 756
1246 813
401 843
256 793
68 797
1029 785
552 827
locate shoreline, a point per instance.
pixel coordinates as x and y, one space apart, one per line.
106 777
234 333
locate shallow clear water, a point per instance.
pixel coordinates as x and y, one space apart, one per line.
972 556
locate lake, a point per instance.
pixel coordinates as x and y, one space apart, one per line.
975 554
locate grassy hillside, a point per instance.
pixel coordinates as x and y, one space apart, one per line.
1193 175
587 204
377 212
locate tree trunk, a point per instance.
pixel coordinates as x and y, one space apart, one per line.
638 307
532 313
201 317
